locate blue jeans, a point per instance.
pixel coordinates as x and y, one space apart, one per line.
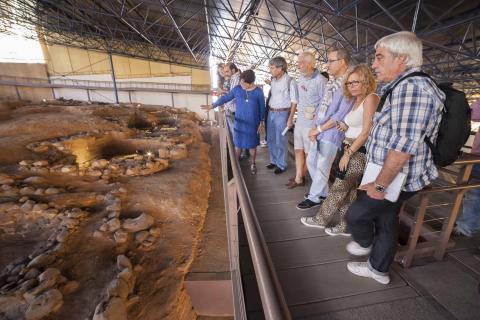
277 144
319 163
469 222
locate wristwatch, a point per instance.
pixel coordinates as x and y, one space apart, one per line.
319 129
379 187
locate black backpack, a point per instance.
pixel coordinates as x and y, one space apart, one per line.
455 126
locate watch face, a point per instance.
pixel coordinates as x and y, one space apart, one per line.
379 189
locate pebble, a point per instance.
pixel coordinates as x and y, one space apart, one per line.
41 261
156 232
118 288
142 222
114 224
49 191
49 274
141 236
123 263
45 304
35 180
69 287
120 236
31 274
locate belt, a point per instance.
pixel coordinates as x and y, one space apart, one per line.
279 110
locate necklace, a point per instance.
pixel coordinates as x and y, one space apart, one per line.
246 99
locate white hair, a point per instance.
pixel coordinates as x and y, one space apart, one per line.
403 43
309 56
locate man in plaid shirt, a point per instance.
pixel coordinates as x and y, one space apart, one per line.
396 142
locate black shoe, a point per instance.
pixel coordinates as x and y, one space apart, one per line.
307 204
270 166
245 154
278 171
307 194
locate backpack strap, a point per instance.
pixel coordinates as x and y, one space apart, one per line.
387 93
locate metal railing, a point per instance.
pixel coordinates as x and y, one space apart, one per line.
271 294
98 84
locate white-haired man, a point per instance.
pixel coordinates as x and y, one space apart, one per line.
311 85
396 143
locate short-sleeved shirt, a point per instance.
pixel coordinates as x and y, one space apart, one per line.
310 94
411 112
284 92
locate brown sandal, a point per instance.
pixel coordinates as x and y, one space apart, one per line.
293 184
290 180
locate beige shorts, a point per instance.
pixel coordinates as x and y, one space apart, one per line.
300 138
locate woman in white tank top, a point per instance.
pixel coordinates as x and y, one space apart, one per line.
360 85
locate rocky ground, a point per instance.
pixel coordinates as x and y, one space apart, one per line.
101 210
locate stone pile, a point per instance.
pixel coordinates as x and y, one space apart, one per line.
57 143
34 283
139 229
119 295
131 165
172 151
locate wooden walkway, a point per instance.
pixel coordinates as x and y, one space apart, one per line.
311 266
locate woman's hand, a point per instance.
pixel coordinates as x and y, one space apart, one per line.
261 128
341 126
344 162
206 107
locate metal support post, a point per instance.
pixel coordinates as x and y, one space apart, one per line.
113 78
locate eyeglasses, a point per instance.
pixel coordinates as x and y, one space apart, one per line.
330 61
353 83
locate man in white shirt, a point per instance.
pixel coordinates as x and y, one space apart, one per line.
233 74
310 86
283 99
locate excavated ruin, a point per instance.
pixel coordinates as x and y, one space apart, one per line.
101 210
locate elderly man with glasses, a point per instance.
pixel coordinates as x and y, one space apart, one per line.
411 112
326 137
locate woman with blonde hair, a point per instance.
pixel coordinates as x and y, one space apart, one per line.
360 85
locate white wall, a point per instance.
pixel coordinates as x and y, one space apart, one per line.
66 93
158 98
108 77
191 101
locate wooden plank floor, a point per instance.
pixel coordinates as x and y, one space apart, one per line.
311 265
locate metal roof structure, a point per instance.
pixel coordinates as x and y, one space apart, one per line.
250 32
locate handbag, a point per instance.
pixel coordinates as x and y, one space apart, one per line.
336 172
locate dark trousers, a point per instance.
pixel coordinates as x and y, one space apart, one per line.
375 222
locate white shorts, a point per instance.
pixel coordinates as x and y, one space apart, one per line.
300 138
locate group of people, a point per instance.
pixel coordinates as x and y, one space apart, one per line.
341 126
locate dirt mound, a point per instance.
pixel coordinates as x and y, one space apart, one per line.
86 236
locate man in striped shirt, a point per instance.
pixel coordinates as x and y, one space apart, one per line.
411 112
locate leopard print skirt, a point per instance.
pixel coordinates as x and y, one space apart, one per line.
342 194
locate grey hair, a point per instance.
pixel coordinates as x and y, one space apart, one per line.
310 56
404 43
279 62
342 53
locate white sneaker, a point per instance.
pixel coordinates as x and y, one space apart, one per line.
357 250
335 231
361 269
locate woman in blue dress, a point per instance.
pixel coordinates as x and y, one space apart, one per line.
249 114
